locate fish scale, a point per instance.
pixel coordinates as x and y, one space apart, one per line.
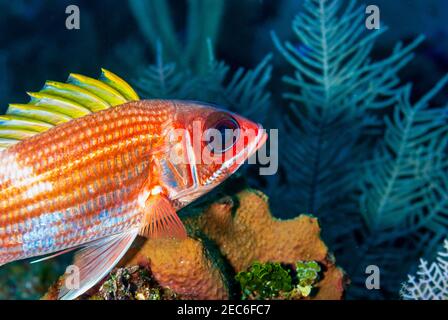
90 168
86 163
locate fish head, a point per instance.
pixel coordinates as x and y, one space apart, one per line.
209 145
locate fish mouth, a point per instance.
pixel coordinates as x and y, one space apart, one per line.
258 142
249 151
263 136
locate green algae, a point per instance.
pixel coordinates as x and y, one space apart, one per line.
272 280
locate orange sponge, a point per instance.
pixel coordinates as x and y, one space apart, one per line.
243 230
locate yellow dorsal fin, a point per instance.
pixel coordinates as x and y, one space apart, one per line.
59 102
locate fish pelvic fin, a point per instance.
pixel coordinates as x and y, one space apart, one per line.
59 102
161 220
93 262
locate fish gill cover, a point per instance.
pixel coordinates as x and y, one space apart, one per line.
359 148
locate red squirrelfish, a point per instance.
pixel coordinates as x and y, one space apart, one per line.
86 164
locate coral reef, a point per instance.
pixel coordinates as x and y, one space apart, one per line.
126 283
250 233
157 25
225 239
182 266
431 281
361 150
348 142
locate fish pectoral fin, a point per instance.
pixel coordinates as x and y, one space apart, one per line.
161 219
94 262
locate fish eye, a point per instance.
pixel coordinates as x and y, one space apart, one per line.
222 133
